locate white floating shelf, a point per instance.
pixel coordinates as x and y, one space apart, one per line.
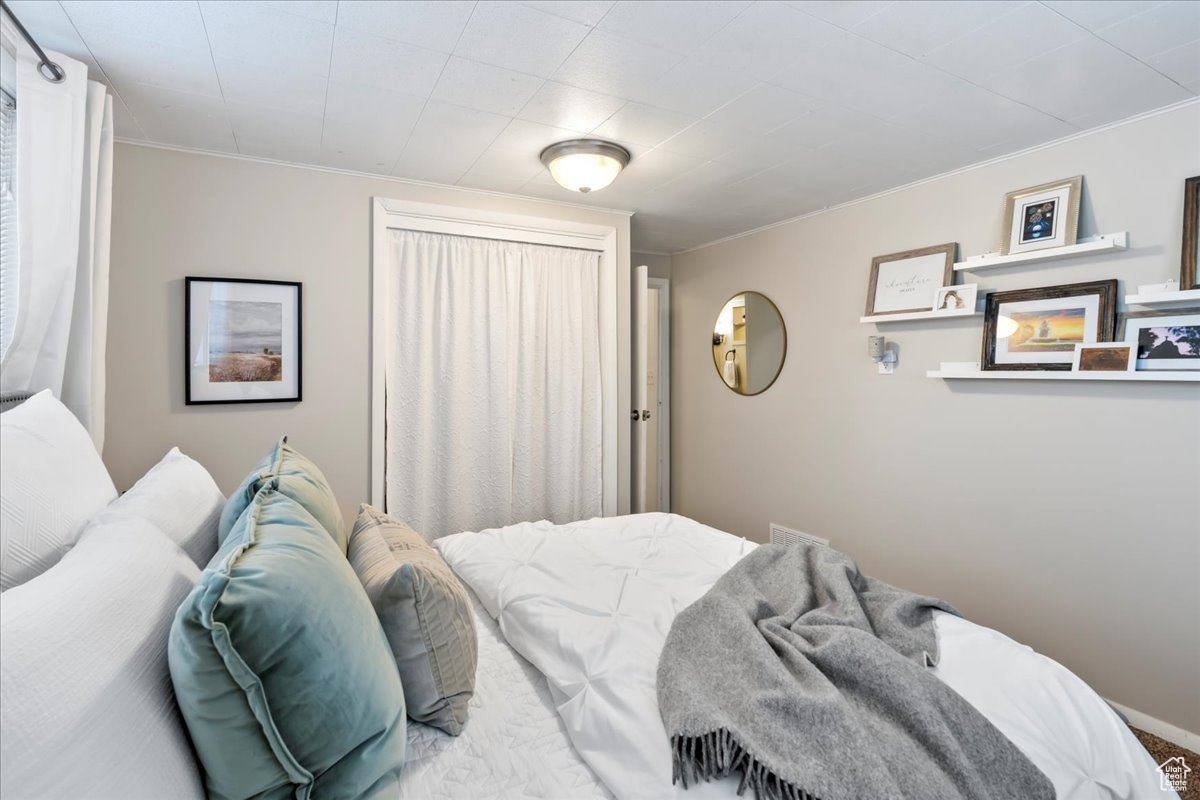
1067 375
1108 242
1166 299
962 312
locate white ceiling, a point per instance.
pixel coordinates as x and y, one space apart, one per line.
738 113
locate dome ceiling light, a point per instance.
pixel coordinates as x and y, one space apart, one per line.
585 165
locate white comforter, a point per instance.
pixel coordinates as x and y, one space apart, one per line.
590 604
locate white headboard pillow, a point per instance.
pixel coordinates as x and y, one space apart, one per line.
178 497
86 704
52 481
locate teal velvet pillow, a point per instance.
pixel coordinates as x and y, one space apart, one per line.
283 674
295 476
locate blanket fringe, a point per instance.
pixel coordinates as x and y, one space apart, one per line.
717 755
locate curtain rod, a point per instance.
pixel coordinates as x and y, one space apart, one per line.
46 68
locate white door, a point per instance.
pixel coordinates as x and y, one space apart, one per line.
658 384
641 413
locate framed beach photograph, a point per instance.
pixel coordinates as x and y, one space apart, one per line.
904 282
1039 328
1189 270
242 339
1104 357
1041 216
955 298
1165 339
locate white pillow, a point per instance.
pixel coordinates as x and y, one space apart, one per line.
178 497
86 704
52 482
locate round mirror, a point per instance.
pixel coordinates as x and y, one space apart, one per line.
749 343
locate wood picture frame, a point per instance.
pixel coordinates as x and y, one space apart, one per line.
1171 318
243 341
1104 357
1189 266
1041 217
910 276
1043 325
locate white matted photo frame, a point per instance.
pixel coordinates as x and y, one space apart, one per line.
1042 216
1037 329
243 341
949 299
904 282
1104 357
1165 339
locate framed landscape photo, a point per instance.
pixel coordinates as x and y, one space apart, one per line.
905 282
1039 328
948 299
1189 270
1041 216
1104 357
242 339
1165 340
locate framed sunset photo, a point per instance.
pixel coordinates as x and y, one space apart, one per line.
242 339
1039 329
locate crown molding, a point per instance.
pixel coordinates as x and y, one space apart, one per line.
370 175
942 175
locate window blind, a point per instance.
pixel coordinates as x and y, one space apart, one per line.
9 272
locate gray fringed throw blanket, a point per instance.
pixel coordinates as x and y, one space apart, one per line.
810 679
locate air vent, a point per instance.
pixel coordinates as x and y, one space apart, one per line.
782 535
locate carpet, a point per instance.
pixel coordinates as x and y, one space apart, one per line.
1160 750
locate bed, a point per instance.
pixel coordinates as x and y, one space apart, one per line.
587 607
570 620
514 745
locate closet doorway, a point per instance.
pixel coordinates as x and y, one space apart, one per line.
492 335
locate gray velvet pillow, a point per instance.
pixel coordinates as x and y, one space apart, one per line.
425 613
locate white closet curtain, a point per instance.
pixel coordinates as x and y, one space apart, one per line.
493 378
64 204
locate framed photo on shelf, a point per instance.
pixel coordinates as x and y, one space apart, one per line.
242 340
904 282
1104 357
955 298
1039 328
1189 269
1041 217
1164 339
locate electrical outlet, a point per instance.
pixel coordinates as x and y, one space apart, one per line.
784 535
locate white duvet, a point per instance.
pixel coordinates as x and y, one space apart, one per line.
590 604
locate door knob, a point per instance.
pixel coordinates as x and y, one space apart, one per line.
645 415
634 415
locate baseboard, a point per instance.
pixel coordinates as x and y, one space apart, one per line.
1163 730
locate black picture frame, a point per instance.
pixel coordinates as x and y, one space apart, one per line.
189 283
1105 324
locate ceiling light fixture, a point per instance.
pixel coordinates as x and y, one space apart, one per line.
585 165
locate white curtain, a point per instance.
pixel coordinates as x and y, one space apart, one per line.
64 205
493 380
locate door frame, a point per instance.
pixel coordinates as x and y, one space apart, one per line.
663 285
388 213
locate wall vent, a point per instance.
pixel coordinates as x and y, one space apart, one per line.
782 535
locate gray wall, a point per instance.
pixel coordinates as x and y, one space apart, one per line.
177 214
660 265
1067 515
